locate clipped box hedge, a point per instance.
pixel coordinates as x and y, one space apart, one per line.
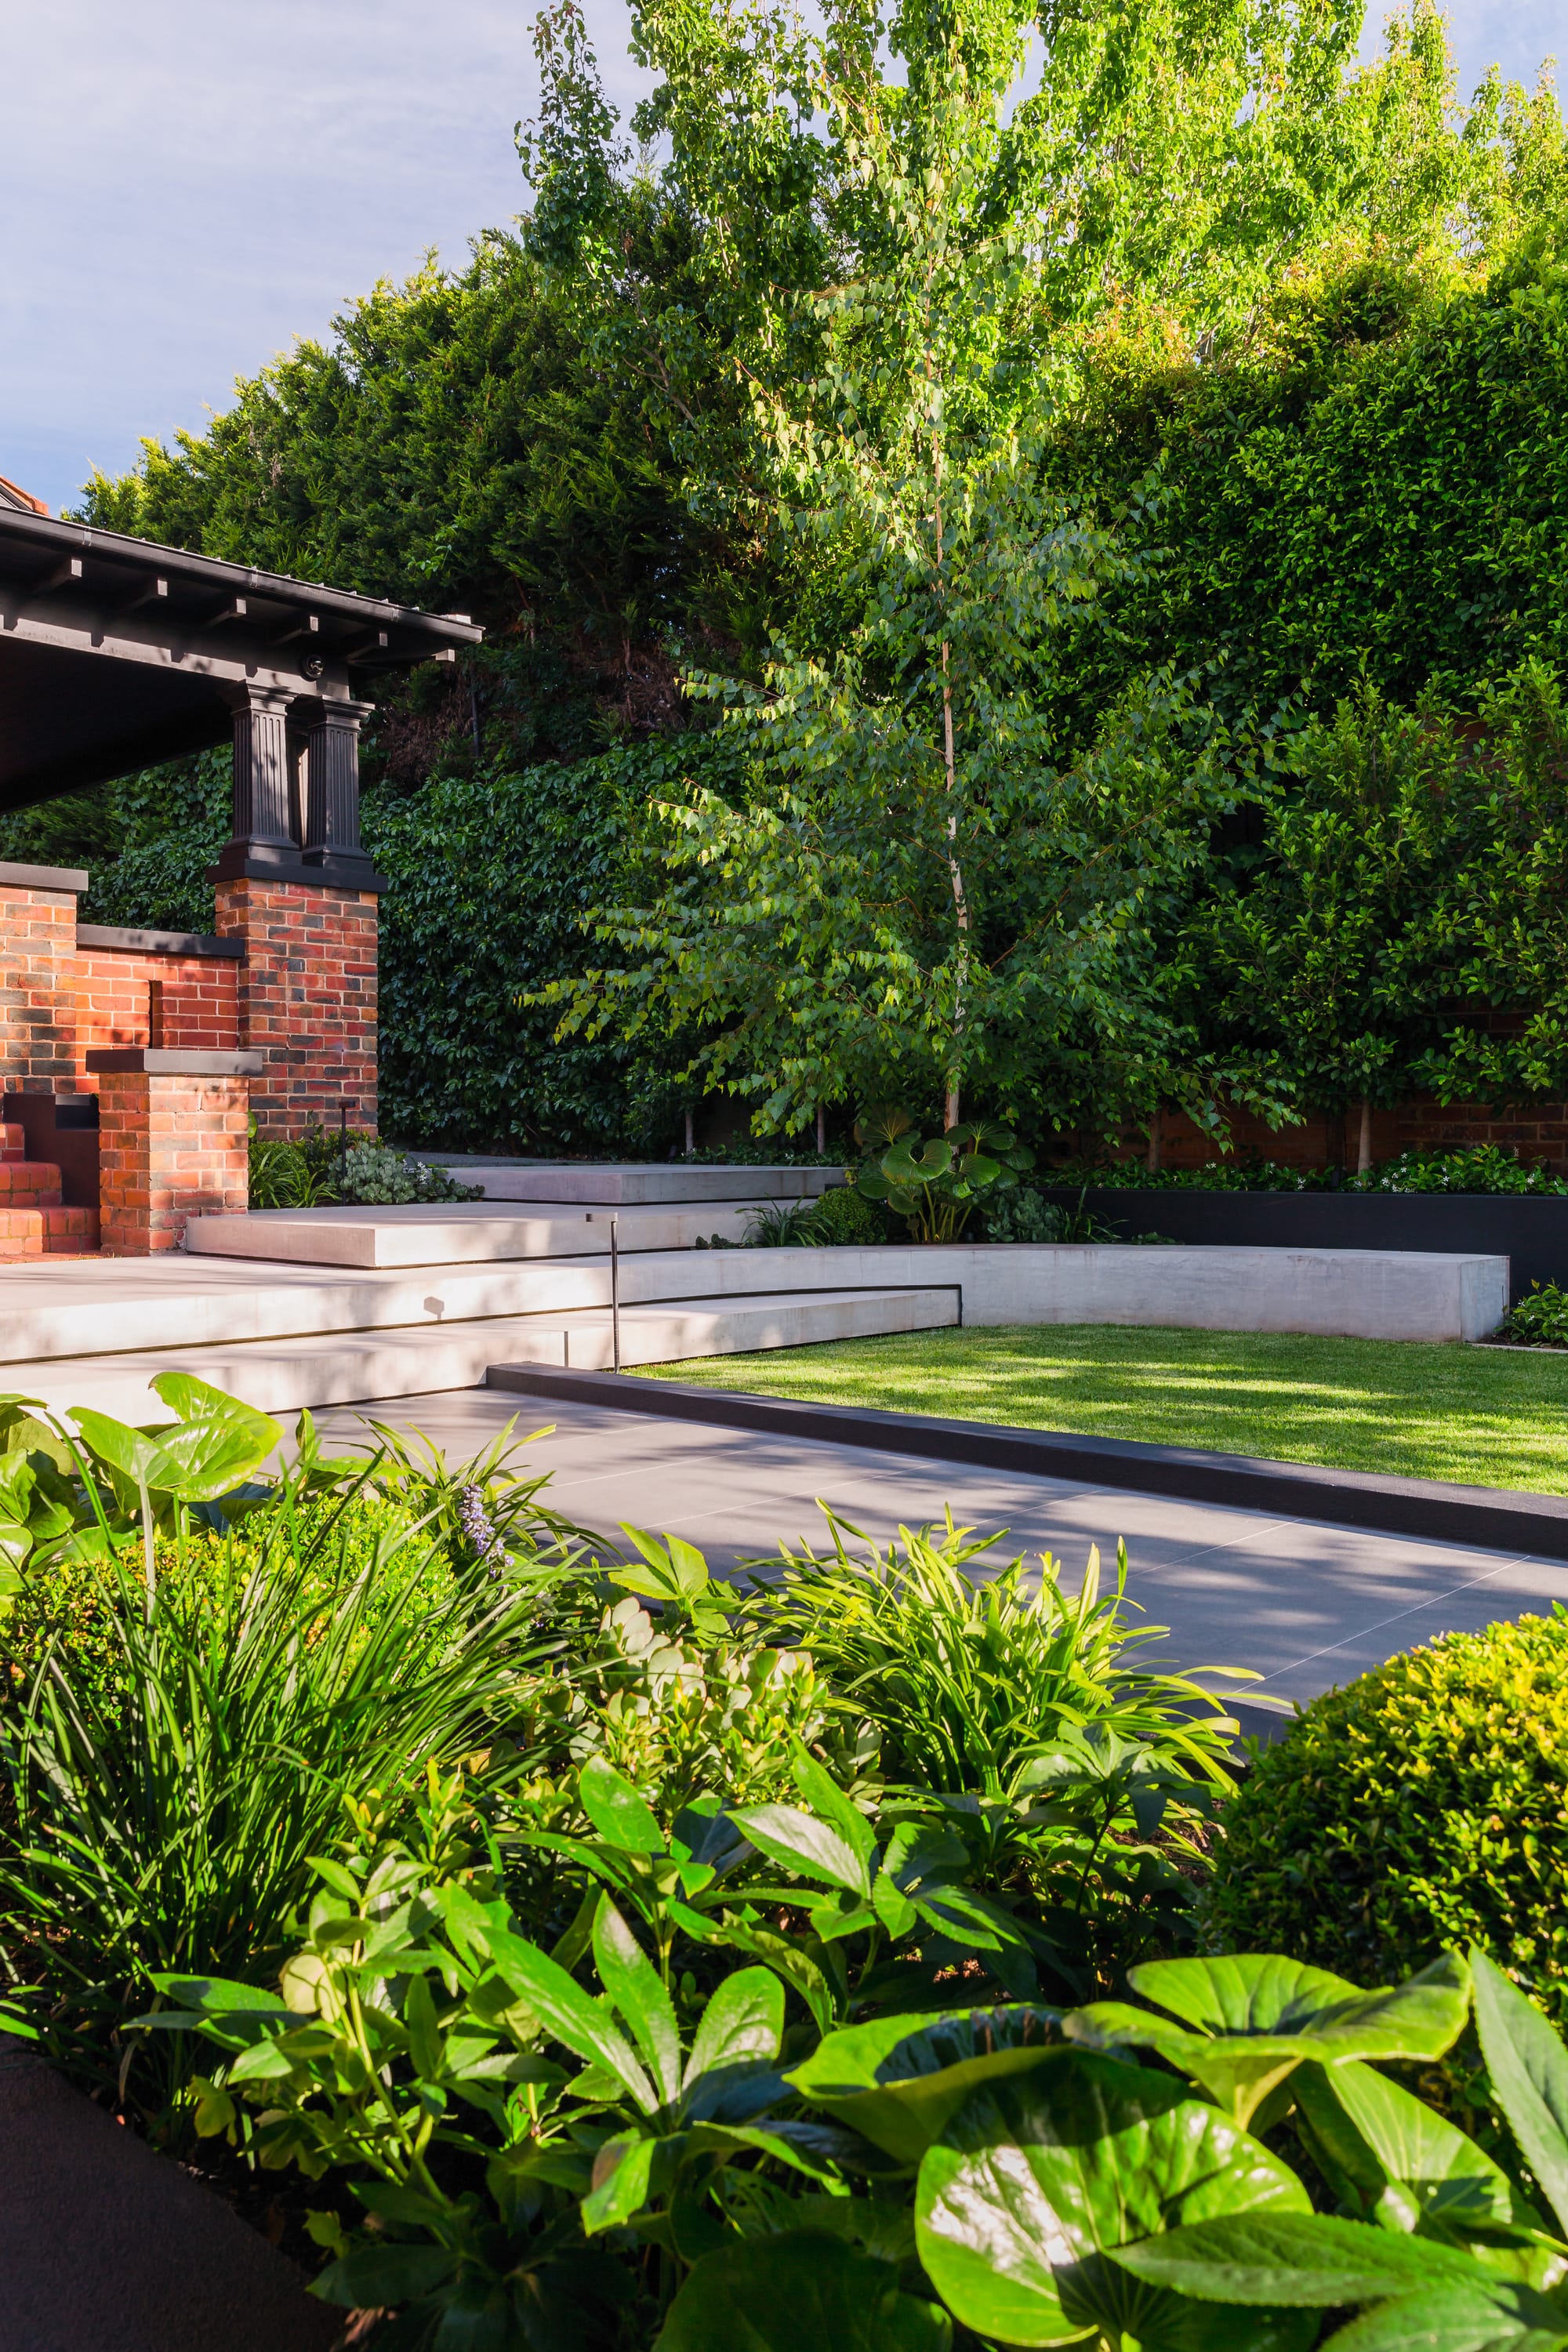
1422 1806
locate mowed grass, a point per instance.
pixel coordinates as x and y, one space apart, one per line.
1482 1416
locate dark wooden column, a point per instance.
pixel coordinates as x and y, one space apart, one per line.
263 838
332 779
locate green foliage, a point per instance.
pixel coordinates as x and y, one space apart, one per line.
844 1218
1358 491
376 1173
491 877
935 1187
1022 1215
1481 1168
1420 1806
1407 872
1023 1720
288 1175
1540 1319
176 1744
1059 2190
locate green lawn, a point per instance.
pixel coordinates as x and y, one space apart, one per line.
1493 1418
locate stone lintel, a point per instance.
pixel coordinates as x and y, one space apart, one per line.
43 878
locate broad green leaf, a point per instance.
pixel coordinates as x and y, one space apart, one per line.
1255 2017
635 1989
801 2292
565 2009
621 1816
824 1797
1033 2179
623 2172
798 1970
217 1441
1507 2318
374 2277
743 2024
1395 2138
1312 2260
427 2043
803 1843
137 1460
1529 2070
217 1996
1254 1993
1237 2073
898 2080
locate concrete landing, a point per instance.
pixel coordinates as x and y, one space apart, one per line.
288 1373
631 1185
461 1234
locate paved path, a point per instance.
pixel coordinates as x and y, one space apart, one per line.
1304 1605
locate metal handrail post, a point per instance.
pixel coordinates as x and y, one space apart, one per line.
615 1292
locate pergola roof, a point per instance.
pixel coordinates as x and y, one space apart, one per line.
116 652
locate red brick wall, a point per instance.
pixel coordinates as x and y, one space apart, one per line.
169 1148
37 1004
307 1000
198 998
1537 1130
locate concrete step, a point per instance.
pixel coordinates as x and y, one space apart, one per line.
284 1375
662 1183
466 1233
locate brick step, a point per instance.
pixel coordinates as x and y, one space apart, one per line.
13 1140
29 1185
46 1233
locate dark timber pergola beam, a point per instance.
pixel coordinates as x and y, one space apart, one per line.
116 653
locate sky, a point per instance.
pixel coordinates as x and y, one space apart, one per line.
189 186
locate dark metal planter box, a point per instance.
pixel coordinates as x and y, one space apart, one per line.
1531 1232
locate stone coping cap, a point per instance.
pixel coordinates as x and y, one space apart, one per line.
172 943
161 1062
44 877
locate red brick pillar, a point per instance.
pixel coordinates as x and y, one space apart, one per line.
173 1142
38 978
307 1000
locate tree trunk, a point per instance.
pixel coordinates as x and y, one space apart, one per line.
821 1131
1363 1146
1153 1160
690 1140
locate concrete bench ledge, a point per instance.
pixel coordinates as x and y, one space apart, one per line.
1343 1294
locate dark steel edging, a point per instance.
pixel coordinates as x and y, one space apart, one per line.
1495 1517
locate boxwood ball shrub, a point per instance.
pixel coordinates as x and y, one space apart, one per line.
1424 1806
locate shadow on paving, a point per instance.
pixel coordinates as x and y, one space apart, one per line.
105 2246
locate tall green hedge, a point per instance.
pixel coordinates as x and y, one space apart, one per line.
1380 488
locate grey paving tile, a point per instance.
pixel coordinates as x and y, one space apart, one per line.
1303 1603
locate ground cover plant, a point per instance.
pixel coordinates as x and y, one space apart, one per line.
323 1170
195 1686
1478 1415
1539 1320
604 1957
